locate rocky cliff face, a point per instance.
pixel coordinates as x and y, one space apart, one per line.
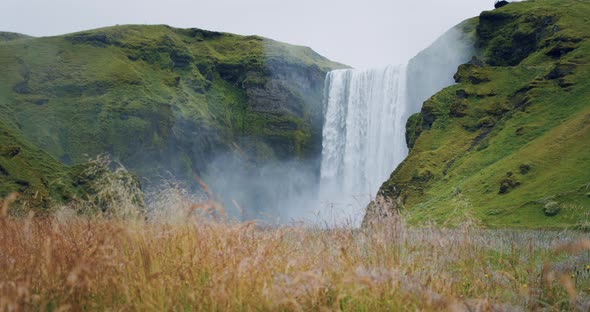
163 101
509 139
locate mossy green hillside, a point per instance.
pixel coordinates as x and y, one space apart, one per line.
40 180
9 36
31 172
163 100
513 135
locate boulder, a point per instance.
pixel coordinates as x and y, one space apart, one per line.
500 4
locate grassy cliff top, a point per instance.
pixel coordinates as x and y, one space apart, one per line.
211 44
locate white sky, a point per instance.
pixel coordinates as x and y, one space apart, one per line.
364 33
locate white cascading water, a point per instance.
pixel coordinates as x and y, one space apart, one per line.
363 138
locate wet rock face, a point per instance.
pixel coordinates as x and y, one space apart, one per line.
292 89
272 97
289 98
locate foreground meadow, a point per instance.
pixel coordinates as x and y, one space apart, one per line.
64 262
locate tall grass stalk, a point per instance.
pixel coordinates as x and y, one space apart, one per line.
191 261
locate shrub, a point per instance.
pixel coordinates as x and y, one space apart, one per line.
113 192
551 209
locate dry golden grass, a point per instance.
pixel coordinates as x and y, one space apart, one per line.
69 263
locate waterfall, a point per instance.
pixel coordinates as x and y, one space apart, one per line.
363 138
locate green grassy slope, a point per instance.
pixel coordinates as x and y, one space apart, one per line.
161 99
25 169
9 36
42 182
513 136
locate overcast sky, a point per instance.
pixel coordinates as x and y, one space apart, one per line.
363 33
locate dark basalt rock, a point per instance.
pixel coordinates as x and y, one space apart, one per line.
471 73
11 151
560 71
22 183
204 34
41 102
283 126
500 4
461 94
413 129
508 184
521 100
520 36
561 49
458 109
428 116
3 171
524 168
231 72
22 87
180 59
95 39
486 122
197 85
